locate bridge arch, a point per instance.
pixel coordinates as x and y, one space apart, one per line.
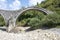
38 9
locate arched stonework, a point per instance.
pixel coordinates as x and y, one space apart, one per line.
34 8
14 14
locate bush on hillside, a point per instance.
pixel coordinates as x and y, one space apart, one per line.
2 22
35 23
52 20
49 21
55 18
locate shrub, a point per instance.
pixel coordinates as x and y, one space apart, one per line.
52 20
35 23
40 15
55 18
2 22
23 22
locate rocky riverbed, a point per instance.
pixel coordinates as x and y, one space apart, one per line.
38 34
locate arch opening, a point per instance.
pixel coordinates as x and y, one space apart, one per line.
2 21
24 17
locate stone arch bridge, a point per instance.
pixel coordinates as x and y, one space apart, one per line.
10 16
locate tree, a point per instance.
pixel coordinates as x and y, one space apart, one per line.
53 5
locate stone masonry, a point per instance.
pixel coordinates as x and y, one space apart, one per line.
10 16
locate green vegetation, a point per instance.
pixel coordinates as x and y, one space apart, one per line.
35 23
53 5
25 18
50 21
2 21
37 19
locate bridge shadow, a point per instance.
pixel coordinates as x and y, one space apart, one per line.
43 28
3 28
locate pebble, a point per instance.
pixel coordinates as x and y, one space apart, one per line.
32 35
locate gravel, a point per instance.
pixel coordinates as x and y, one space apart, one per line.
38 34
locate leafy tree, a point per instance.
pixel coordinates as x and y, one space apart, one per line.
35 23
53 5
2 22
